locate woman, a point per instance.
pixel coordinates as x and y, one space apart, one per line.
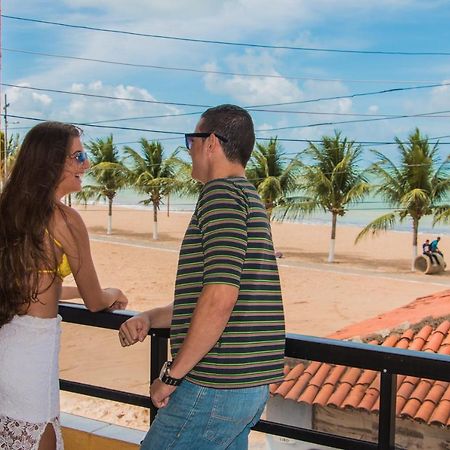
41 242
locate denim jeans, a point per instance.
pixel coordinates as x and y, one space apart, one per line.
202 418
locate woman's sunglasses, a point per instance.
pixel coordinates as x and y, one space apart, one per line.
80 157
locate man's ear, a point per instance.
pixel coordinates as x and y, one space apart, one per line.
213 144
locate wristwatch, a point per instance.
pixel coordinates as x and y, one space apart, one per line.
165 377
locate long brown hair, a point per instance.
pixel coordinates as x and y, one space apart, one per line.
26 207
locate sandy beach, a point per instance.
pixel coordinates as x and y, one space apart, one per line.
319 298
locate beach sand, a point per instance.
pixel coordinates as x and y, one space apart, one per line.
319 298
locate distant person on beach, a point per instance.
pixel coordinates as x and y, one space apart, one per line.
426 250
227 322
41 242
434 246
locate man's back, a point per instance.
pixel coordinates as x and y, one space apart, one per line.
229 241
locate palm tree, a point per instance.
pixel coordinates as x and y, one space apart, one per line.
273 175
108 171
416 187
332 182
153 174
7 155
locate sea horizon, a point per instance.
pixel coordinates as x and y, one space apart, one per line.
358 215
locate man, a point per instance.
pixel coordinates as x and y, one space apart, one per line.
426 250
227 321
434 246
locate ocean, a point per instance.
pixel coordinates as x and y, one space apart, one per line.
359 215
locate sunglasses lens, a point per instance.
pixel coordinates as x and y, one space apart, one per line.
81 157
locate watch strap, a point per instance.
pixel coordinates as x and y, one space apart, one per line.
165 375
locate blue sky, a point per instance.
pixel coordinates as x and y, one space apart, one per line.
385 25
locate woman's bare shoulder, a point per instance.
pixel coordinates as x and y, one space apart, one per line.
67 222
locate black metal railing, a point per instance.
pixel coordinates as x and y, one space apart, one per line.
386 360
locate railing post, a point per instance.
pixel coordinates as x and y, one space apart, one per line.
386 424
158 356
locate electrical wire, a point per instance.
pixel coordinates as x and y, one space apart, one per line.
181 133
213 72
229 43
253 108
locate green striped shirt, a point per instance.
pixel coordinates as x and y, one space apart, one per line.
228 241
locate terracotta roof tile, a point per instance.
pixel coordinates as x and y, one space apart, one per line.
349 387
434 342
324 394
367 377
405 339
408 385
355 396
369 399
335 374
424 413
309 394
291 378
441 415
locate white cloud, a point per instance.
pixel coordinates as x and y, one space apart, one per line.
42 98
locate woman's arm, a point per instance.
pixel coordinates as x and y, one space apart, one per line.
71 231
69 292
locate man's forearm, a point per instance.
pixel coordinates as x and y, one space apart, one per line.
160 317
210 318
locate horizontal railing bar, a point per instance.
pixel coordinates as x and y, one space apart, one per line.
333 351
366 356
313 436
79 314
105 393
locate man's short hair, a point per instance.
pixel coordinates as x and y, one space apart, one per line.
235 124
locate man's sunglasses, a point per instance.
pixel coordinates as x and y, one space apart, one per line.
189 138
80 157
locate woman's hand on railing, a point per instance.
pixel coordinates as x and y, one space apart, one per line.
134 329
120 301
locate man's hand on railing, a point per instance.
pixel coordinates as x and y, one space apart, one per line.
134 329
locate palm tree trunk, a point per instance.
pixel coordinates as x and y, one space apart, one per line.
414 246
155 222
333 238
168 205
109 229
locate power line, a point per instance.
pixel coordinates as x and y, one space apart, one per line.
84 124
362 94
391 117
254 108
160 116
181 133
213 72
108 97
228 43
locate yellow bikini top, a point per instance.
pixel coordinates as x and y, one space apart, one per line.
63 270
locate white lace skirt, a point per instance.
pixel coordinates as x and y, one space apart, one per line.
29 381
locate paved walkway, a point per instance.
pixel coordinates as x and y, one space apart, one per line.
434 280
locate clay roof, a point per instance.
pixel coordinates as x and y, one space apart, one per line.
420 399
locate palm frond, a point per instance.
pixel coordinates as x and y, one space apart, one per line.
382 223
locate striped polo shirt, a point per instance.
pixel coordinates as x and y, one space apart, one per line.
229 241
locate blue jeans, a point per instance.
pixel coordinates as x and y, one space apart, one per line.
203 418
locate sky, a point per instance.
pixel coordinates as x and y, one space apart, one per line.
283 75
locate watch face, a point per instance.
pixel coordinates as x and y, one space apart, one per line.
163 370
